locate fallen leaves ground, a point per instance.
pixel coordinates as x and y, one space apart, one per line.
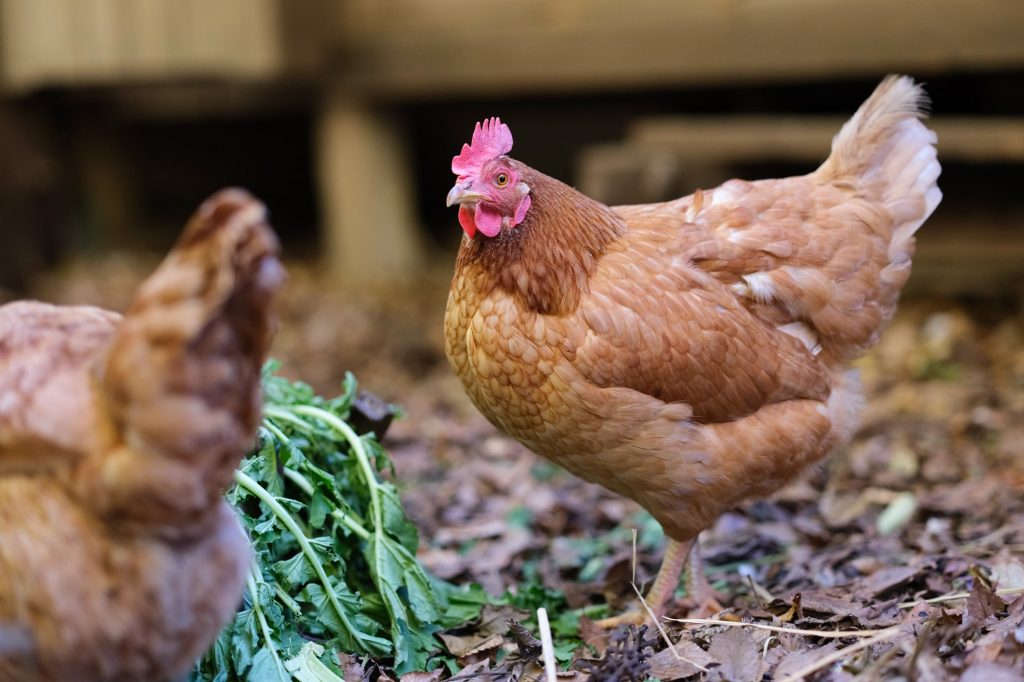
911 539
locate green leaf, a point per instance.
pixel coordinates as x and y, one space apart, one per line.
307 666
295 571
244 639
464 604
396 522
364 638
264 669
319 508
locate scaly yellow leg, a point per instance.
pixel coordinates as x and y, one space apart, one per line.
664 588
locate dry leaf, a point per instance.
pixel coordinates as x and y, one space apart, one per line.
351 668
981 604
666 666
475 643
738 655
889 578
800 659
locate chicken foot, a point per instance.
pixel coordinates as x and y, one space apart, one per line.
678 555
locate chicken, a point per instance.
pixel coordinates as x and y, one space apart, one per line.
694 353
119 558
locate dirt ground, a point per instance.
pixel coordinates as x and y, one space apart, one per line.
884 541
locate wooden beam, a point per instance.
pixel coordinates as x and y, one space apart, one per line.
960 254
98 42
366 194
419 47
728 139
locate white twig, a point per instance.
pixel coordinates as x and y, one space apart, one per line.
547 644
828 660
775 628
1005 592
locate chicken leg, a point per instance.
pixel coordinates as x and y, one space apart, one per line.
677 556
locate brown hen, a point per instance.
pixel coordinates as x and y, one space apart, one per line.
688 354
119 559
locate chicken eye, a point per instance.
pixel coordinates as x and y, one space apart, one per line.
501 179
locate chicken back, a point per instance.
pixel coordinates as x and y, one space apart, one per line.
692 353
119 559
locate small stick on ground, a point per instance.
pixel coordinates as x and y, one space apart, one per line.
839 654
547 644
1006 592
838 634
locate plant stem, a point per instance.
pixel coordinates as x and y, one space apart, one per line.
357 448
350 523
250 583
282 514
354 441
284 415
287 600
277 433
299 480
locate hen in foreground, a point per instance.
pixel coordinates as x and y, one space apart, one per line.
119 558
693 353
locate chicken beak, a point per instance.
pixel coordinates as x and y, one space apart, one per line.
461 193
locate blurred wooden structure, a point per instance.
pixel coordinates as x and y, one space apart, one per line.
97 42
363 60
398 48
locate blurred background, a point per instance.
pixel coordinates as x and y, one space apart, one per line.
118 116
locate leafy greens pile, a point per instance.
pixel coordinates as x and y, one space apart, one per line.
335 564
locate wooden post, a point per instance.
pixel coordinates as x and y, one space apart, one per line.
366 194
106 175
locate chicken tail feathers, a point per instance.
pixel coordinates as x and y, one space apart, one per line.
182 378
886 151
886 148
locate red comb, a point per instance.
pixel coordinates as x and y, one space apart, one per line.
491 139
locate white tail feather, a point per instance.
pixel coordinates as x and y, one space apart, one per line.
886 150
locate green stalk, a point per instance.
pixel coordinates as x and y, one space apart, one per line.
282 514
360 452
250 583
302 482
350 523
299 480
285 415
348 520
287 600
278 433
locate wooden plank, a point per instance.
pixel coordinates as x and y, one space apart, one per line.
366 195
960 254
417 47
744 138
35 38
87 42
666 156
309 31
